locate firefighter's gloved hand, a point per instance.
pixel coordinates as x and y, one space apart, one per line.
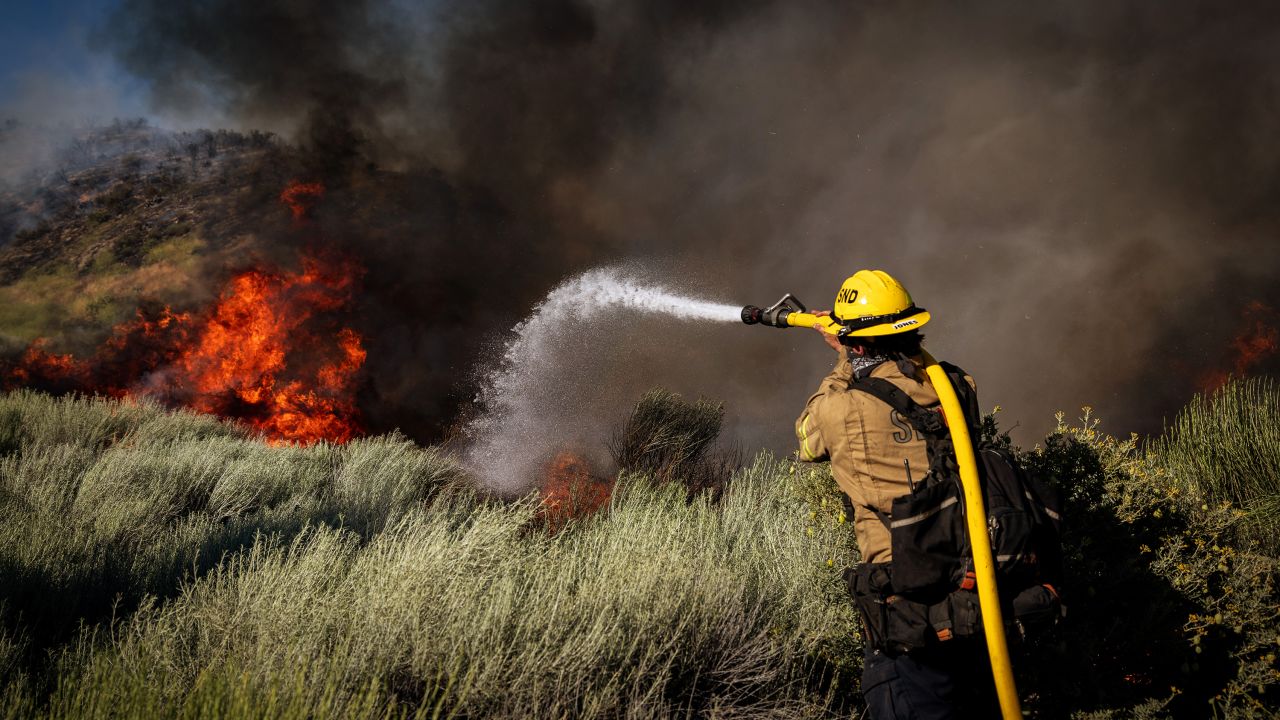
827 337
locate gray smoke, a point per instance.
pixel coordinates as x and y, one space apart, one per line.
1084 194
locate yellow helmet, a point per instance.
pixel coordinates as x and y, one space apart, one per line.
871 303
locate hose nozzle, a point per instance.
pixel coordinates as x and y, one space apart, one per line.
788 312
776 314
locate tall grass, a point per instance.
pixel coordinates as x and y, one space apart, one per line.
1225 448
340 582
664 608
105 502
157 564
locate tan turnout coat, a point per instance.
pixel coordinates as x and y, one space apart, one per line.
866 442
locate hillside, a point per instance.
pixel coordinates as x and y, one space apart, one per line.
161 564
122 214
124 226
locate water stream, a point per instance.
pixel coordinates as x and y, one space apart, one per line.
508 441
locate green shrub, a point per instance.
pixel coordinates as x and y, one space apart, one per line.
1225 448
160 564
1167 614
107 502
664 607
671 440
37 419
216 575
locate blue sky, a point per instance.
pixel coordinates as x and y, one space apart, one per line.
45 54
51 31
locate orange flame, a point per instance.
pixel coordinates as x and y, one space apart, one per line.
269 352
134 347
258 351
570 491
38 362
1256 342
299 196
262 354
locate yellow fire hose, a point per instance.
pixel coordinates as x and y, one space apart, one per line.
828 325
983 564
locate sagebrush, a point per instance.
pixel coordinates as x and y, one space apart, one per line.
218 575
161 564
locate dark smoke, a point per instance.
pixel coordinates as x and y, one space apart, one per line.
1084 194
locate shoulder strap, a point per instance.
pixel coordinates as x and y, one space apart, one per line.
926 421
929 423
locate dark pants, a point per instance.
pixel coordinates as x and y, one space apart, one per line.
944 682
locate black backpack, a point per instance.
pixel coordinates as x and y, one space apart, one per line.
932 557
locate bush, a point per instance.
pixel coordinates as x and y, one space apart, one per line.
336 582
160 564
1167 613
108 502
671 440
1225 448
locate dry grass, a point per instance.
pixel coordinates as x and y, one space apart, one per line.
59 301
1225 447
160 564
360 582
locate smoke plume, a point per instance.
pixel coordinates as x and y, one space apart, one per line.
1083 194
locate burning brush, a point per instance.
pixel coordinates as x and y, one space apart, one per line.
1255 343
272 351
569 490
269 352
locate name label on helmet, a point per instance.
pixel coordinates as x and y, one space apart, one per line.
847 295
905 323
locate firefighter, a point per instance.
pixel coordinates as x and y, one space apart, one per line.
875 454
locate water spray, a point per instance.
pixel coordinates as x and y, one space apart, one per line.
508 439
